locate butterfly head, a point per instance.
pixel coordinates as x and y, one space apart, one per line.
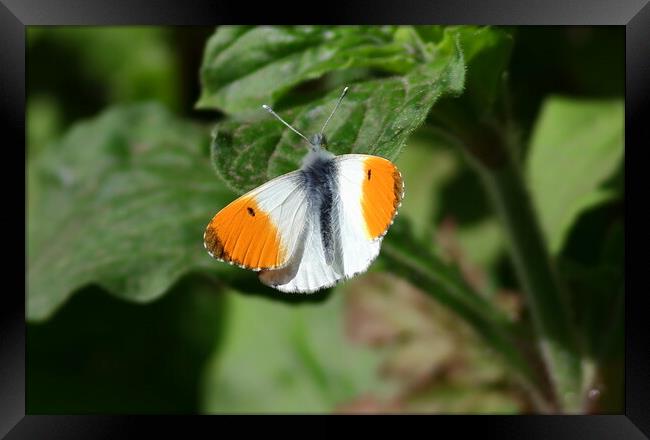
318 141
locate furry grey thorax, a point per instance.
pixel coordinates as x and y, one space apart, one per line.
318 174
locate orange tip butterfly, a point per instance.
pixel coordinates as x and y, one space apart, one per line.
308 229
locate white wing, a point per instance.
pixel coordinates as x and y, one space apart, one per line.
308 270
360 247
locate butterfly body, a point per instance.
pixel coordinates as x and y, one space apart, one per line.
310 228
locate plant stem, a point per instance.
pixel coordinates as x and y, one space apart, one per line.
447 287
549 308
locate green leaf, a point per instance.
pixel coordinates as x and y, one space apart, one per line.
576 146
487 55
103 355
376 117
295 359
245 67
430 33
486 51
121 201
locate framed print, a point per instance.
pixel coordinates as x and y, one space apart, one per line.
402 211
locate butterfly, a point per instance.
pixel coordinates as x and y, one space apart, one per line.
311 228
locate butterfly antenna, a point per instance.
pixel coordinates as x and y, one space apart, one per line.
345 91
270 110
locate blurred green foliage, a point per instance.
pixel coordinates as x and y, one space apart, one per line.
125 197
582 141
117 203
296 359
110 65
104 355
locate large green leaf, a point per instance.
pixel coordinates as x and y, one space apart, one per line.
281 359
120 201
576 146
245 67
376 117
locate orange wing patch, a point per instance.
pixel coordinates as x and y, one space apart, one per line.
381 194
244 234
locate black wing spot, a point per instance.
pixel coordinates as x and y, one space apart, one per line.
251 211
369 173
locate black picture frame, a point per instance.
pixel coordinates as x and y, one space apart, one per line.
15 15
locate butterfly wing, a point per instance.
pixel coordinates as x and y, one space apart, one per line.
370 189
371 192
261 229
308 270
